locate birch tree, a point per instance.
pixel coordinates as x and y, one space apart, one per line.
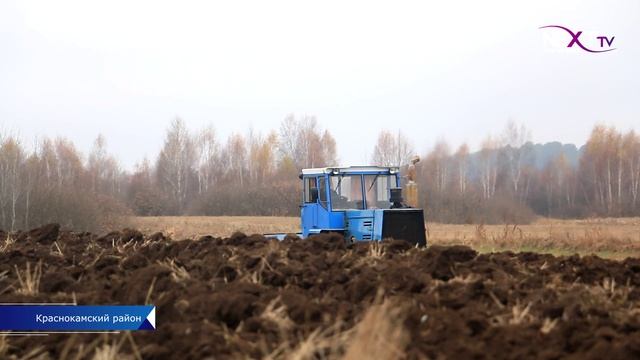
11 185
208 156
392 149
488 167
176 164
305 143
631 146
461 166
514 138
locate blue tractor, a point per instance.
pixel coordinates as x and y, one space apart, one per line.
363 203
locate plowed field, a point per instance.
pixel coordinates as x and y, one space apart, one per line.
249 297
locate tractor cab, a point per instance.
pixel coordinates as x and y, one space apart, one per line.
362 203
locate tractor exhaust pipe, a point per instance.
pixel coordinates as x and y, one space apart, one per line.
397 202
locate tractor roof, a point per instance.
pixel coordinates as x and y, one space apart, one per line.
351 170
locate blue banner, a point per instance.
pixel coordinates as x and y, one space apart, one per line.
77 317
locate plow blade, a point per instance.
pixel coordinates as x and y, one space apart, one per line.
405 224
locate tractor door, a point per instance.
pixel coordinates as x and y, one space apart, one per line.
309 208
322 216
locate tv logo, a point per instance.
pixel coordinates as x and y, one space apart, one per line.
575 40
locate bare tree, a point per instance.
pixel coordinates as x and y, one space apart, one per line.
31 176
514 138
462 164
207 149
438 165
11 185
631 151
602 168
237 157
309 151
68 165
558 179
488 167
96 163
392 150
302 141
262 156
287 140
329 148
104 170
176 163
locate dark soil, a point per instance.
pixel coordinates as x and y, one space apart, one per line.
213 296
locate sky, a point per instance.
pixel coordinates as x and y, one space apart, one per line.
454 70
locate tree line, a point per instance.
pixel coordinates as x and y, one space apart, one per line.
504 182
248 174
254 173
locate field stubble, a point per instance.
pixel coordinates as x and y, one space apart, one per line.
611 238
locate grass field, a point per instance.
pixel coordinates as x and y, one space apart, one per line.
612 238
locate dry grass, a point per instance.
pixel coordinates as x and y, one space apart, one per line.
106 352
35 353
103 347
320 344
612 237
28 279
380 334
178 273
376 250
6 243
109 351
276 312
4 346
548 325
620 228
181 227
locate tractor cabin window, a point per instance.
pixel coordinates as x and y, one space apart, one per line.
322 191
376 189
310 190
346 192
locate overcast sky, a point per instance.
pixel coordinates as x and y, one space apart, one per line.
457 70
